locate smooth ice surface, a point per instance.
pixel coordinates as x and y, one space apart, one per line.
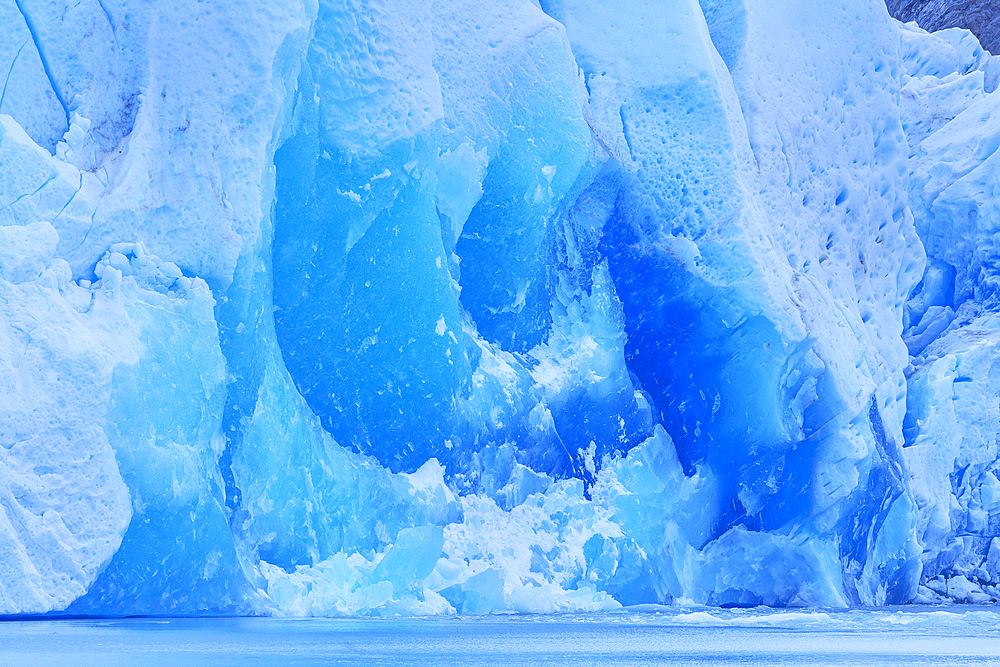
653 637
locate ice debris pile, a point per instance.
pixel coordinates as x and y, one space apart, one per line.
469 306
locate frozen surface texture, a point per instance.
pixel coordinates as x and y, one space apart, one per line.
951 326
979 16
465 307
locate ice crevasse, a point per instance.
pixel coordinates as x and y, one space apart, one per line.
468 307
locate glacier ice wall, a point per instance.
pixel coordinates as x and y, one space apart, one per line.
382 307
952 415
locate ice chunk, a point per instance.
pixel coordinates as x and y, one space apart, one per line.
167 440
951 448
460 185
955 170
64 504
28 94
25 252
411 558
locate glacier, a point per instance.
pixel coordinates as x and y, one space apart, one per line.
371 307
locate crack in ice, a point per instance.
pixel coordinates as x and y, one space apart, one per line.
13 62
41 56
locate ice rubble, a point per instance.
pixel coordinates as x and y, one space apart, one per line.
469 306
951 326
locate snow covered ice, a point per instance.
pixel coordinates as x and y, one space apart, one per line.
463 307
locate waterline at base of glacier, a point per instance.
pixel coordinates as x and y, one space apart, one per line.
647 635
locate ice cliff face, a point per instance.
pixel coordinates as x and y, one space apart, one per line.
385 307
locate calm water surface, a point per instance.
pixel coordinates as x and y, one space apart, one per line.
649 636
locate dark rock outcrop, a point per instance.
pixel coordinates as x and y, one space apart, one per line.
982 17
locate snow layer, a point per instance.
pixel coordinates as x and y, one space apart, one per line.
383 307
